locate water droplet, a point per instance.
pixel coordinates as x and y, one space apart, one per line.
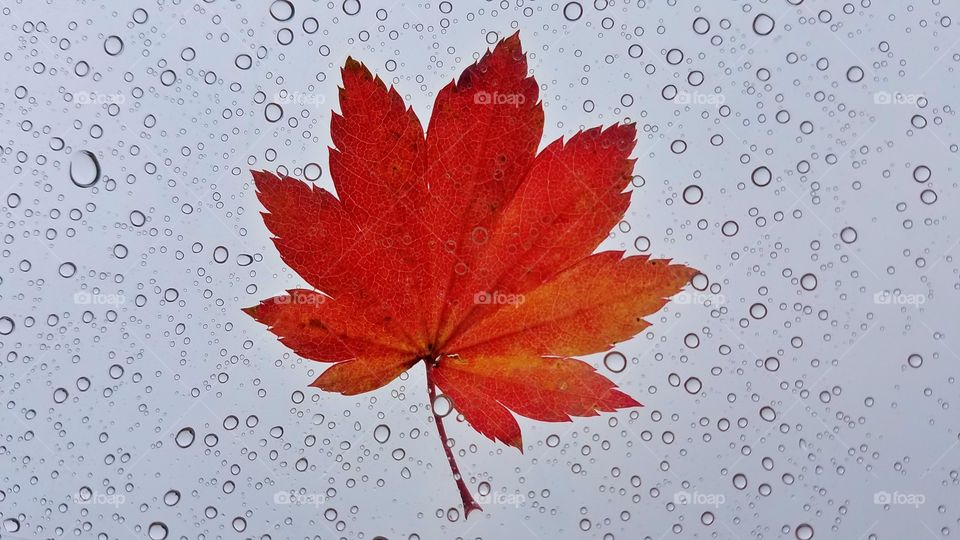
572 11
642 243
692 194
281 10
243 61
273 112
729 228
915 360
761 176
185 437
11 525
231 422
113 45
615 361
137 219
442 406
6 325
351 7
855 74
768 414
758 311
740 481
84 169
701 26
763 24
922 173
381 433
67 269
848 235
157 531
312 172
171 498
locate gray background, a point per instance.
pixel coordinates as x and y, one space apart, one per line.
102 366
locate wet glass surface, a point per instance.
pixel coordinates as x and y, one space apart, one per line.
800 153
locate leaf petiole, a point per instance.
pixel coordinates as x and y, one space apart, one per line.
469 504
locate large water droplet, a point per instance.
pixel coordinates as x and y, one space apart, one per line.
185 437
615 361
157 531
281 10
11 525
763 24
84 169
381 433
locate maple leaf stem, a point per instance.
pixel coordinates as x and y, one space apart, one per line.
469 504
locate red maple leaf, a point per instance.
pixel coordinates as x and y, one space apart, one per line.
465 249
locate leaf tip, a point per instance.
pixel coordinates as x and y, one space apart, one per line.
511 48
687 273
622 400
628 402
351 64
511 42
354 69
516 442
630 128
263 180
328 381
